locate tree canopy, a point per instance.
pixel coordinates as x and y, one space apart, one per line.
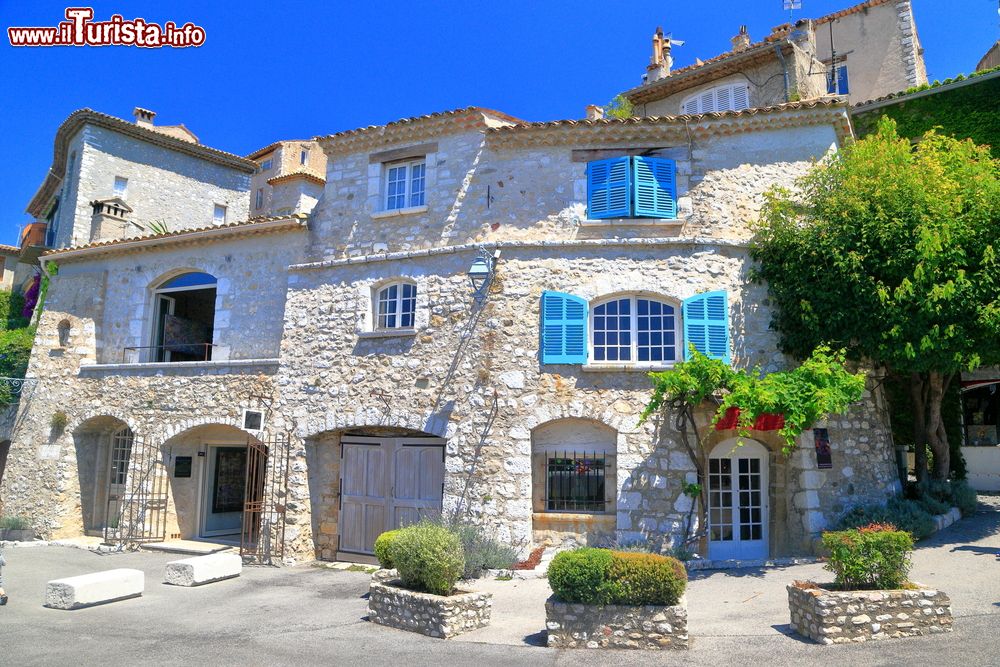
888 249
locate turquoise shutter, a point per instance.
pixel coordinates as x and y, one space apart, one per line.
609 188
655 187
564 329
706 325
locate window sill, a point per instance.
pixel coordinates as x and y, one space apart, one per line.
626 368
632 222
178 366
387 333
400 211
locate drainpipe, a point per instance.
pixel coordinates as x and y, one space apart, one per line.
784 67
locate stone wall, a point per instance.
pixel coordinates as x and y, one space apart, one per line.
572 625
432 615
834 617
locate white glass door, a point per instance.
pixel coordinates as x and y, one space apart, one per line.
737 502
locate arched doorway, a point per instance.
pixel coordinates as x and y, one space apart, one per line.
388 478
103 450
738 500
184 318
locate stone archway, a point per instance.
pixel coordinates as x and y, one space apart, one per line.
100 466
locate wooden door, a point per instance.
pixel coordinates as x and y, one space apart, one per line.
362 494
418 481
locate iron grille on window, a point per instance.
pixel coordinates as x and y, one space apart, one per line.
574 482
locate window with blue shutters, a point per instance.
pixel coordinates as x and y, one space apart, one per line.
564 329
836 81
631 187
706 325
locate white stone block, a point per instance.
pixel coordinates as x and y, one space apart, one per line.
203 569
95 588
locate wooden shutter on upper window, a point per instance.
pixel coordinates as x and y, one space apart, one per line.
564 329
609 188
706 325
655 187
741 97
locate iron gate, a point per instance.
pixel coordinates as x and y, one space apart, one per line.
138 513
262 538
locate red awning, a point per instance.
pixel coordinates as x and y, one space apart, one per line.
766 422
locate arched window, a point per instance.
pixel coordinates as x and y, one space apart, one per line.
634 329
184 318
721 98
120 454
396 306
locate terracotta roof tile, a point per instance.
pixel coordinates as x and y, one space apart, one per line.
4 248
308 175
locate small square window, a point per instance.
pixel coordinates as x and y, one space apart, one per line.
253 420
259 202
303 157
405 184
219 215
266 165
121 186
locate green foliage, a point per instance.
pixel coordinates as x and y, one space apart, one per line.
11 307
935 506
602 576
58 421
901 410
820 386
963 497
965 113
619 107
15 349
870 557
14 523
382 544
483 551
428 556
904 513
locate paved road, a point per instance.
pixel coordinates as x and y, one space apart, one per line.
312 615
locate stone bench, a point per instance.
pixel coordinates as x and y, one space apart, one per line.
87 590
203 569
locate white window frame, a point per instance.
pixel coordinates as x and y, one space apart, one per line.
267 164
699 99
379 320
634 331
123 191
304 156
408 181
215 213
259 199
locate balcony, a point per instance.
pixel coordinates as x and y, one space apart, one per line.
34 242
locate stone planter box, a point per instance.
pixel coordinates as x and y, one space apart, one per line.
17 534
842 617
573 625
432 615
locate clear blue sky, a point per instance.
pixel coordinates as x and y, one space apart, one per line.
295 69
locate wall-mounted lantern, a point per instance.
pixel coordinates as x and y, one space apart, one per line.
482 270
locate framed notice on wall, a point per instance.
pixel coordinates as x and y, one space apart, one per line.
824 457
182 466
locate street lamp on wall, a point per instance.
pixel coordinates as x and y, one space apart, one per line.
481 272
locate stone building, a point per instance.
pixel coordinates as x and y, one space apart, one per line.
862 52
464 322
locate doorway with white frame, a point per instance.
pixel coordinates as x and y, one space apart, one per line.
738 500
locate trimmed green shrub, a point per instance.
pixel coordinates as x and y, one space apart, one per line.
963 497
483 551
428 556
601 576
934 505
11 305
870 557
382 544
14 523
905 514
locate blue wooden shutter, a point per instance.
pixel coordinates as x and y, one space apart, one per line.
655 187
706 325
842 80
564 329
609 188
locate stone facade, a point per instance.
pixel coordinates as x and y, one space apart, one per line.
571 625
432 615
844 617
296 337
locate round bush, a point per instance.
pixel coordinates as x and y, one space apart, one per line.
869 557
601 576
382 543
428 557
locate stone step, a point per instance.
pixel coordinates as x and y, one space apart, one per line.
203 569
87 590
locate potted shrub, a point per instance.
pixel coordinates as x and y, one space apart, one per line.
429 560
870 597
16 529
616 599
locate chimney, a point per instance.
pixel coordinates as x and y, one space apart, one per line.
143 117
660 61
741 42
594 112
110 220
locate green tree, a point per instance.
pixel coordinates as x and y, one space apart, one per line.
619 107
889 250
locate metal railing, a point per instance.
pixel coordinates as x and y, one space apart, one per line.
143 354
574 482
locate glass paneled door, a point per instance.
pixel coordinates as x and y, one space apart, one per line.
737 501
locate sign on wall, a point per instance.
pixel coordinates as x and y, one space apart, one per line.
824 457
